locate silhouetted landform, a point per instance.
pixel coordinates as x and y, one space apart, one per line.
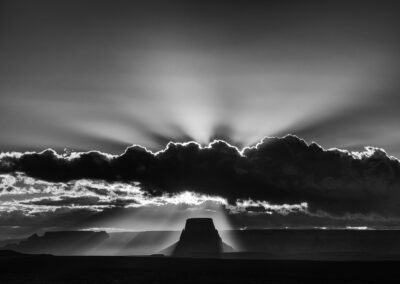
10 253
136 243
149 242
9 242
202 240
319 244
199 238
91 243
61 243
122 269
115 243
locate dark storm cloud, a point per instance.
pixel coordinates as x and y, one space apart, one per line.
277 170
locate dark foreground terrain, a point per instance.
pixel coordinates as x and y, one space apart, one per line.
16 268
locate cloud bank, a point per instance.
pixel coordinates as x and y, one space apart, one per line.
277 171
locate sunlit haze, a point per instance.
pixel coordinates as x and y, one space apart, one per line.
147 74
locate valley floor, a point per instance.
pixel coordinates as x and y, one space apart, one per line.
97 269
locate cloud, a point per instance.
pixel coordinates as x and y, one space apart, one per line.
265 207
19 193
64 201
277 170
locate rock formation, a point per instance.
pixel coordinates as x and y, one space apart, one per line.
199 238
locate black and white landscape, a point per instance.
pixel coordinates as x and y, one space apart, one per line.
199 141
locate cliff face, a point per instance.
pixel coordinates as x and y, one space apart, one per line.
199 237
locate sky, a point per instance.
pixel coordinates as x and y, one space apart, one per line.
81 76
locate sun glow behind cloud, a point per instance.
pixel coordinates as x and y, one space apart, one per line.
191 198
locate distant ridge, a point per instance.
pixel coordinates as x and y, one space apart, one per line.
200 239
60 243
291 242
10 253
